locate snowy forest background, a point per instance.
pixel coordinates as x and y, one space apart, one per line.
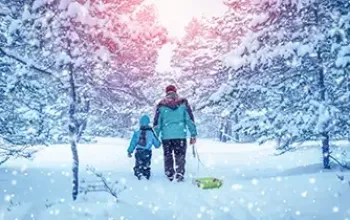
72 70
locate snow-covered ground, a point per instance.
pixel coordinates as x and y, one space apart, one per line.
257 185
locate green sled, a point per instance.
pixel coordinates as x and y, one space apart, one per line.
208 182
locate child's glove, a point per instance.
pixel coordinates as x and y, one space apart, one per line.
129 155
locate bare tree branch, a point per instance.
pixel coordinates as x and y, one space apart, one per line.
4 160
106 186
344 166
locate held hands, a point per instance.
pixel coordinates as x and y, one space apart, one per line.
193 140
129 155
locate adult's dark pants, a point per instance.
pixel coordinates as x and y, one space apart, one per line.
175 148
143 163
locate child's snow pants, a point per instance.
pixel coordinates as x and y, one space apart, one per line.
143 163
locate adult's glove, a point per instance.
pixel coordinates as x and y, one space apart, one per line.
193 140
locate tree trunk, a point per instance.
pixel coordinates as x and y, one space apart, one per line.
236 132
221 132
73 135
228 130
325 151
83 124
73 128
322 88
324 134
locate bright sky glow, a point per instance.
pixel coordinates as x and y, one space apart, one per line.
176 14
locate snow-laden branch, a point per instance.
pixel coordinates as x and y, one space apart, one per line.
24 62
103 186
8 152
4 11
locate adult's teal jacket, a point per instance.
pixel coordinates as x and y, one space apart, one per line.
174 118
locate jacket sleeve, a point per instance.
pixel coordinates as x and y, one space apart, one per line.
156 141
157 122
133 143
189 118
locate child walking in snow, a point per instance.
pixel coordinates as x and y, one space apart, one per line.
142 141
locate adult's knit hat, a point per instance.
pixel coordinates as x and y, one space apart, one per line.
170 88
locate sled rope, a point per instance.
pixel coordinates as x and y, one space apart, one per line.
204 182
196 155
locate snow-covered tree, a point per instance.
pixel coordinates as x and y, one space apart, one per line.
91 52
289 76
29 97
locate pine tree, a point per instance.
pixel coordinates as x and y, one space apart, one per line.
286 78
85 51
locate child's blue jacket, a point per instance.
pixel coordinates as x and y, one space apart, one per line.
146 142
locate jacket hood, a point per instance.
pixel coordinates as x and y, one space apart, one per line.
172 101
145 121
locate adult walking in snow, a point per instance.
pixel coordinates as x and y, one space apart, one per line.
172 120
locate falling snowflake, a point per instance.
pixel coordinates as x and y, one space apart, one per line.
65 174
237 187
241 201
254 181
8 198
14 182
31 130
24 168
57 211
312 180
226 209
250 205
297 212
335 209
123 180
155 209
14 172
304 194
199 215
